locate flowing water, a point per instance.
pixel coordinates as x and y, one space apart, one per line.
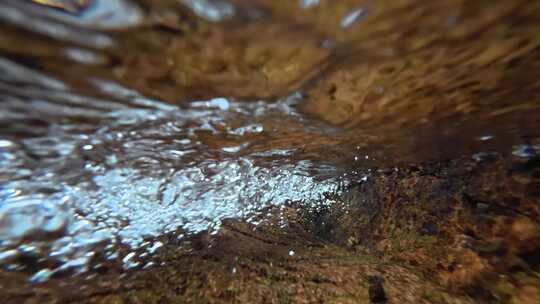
122 121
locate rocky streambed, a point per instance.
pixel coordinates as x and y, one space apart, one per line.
212 151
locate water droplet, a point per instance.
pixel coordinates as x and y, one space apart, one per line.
233 149
352 17
524 151
41 276
85 56
486 137
8 256
127 261
211 10
483 156
155 247
221 103
308 3
101 14
5 143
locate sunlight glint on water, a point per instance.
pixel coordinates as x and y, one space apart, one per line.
146 173
118 129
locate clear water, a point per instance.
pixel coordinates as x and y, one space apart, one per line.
123 122
82 175
147 172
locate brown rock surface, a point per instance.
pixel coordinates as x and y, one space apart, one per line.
420 80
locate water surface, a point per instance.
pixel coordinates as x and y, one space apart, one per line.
122 121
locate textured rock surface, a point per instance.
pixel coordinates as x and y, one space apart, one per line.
456 232
442 95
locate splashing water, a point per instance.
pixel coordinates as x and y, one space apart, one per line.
118 125
147 172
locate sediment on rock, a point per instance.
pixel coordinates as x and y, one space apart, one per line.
462 231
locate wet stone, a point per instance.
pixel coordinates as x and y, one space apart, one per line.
262 151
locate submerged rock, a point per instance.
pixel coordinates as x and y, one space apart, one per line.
269 151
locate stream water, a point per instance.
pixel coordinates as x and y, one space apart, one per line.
122 121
